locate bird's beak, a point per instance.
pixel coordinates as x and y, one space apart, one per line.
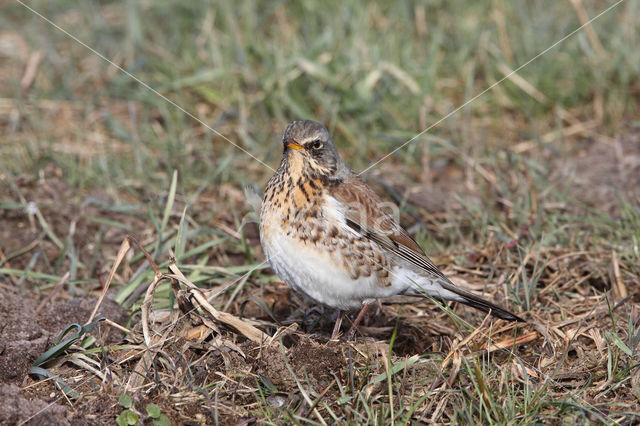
293 144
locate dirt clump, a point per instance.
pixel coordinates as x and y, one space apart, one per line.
16 408
313 364
25 334
22 340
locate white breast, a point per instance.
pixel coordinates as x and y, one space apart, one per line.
318 274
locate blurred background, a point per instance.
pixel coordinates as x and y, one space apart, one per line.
376 73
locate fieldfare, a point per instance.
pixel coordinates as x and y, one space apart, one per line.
325 233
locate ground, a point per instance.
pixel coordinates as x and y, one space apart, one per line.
530 196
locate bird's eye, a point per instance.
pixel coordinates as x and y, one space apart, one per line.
315 145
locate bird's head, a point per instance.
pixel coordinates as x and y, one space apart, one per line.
309 145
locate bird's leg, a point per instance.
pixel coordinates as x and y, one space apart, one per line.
336 328
352 330
314 309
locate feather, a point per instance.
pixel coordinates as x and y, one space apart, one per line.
365 215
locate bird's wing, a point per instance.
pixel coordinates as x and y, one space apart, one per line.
365 214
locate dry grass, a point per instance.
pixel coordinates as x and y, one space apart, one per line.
529 196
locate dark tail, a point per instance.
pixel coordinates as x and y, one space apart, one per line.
478 302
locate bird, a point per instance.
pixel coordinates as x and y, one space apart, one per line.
326 234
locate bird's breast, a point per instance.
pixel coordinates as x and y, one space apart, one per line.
310 247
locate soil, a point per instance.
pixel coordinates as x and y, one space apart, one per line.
22 341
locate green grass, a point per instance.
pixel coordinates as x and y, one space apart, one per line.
256 66
377 74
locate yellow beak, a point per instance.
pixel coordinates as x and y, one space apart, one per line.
294 145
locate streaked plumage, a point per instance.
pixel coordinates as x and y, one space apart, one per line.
326 233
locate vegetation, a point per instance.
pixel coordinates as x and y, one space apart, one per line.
529 194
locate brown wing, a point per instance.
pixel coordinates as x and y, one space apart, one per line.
365 214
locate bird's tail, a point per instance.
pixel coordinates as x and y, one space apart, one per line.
478 302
